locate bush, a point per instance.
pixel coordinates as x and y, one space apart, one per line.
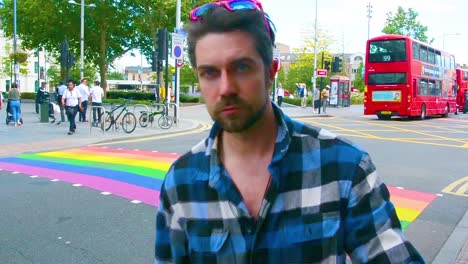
27 95
145 96
357 98
296 101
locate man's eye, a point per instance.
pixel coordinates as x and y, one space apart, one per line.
207 73
243 67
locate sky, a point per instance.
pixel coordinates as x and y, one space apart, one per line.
347 23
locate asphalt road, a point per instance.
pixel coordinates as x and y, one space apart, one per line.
46 220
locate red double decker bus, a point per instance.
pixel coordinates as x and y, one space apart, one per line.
462 93
405 77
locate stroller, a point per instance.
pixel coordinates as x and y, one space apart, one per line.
9 116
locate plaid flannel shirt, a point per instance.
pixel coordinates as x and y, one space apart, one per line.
325 203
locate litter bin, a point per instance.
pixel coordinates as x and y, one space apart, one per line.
44 113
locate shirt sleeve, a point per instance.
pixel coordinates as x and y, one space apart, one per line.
171 243
372 228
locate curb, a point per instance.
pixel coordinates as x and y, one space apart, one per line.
454 244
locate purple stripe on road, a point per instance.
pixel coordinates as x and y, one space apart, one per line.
132 192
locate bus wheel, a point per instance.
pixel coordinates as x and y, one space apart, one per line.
447 110
423 112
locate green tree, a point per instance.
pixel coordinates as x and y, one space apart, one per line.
115 76
109 28
187 76
405 23
8 64
53 74
358 80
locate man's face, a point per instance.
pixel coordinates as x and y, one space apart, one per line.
71 85
232 79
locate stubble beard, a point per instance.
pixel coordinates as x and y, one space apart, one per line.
249 114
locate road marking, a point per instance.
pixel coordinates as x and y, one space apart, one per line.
14 172
54 180
359 134
106 193
33 176
135 201
203 126
458 187
77 185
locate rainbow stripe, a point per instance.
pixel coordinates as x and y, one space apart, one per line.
138 174
409 204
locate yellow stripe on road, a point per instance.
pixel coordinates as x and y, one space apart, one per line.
459 187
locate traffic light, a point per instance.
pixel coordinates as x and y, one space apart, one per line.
336 64
327 65
154 61
162 44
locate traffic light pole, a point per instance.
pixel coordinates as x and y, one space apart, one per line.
321 88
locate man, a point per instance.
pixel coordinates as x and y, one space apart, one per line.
316 99
42 96
60 90
304 95
72 100
263 188
84 91
96 94
280 94
325 98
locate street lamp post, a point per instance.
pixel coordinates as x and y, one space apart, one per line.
81 33
15 38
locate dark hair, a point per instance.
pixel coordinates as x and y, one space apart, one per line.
218 20
14 85
71 80
97 83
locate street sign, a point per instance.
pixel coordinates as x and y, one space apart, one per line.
276 53
177 46
322 73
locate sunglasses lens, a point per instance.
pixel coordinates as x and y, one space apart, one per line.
202 10
242 5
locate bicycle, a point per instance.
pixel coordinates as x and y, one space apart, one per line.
128 121
164 121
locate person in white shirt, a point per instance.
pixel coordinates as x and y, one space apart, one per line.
60 90
280 94
71 99
96 93
84 90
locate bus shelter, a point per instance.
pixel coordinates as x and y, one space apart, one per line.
340 94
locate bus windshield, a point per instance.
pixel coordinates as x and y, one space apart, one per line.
387 50
387 78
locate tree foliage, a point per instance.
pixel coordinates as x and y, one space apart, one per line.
115 76
358 79
405 23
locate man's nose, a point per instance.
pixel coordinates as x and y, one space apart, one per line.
227 84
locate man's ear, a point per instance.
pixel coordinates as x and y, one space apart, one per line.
274 68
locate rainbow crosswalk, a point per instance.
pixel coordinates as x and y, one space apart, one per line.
138 174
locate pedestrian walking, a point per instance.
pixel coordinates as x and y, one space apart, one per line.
84 91
280 94
96 93
304 95
264 188
60 90
14 97
325 98
71 99
316 99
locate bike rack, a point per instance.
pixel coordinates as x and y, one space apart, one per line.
140 105
176 108
103 119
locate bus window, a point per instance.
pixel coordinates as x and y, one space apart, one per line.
452 63
465 75
438 60
432 87
422 87
438 88
431 56
387 78
423 53
387 50
446 62
415 51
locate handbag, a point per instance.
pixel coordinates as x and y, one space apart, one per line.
69 110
